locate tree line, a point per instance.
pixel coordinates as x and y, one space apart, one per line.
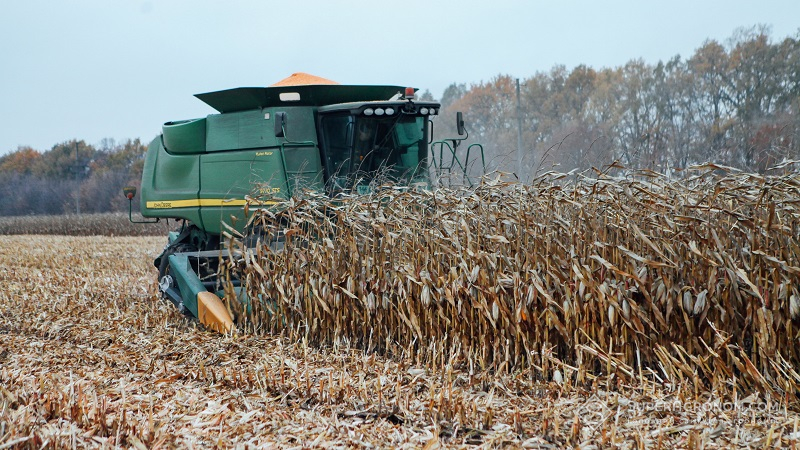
72 177
735 103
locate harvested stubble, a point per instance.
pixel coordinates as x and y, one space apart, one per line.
91 358
685 283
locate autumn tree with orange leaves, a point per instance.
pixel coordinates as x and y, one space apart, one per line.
735 103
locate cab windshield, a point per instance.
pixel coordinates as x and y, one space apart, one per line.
360 150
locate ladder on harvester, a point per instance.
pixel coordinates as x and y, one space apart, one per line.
448 160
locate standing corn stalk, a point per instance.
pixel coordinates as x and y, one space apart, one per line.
690 281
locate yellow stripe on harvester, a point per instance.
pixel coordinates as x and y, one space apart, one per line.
167 204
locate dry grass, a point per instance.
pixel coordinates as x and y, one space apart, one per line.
107 224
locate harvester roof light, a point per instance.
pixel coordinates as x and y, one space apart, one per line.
409 93
423 111
389 111
379 111
369 112
433 111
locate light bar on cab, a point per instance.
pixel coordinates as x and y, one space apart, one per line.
410 108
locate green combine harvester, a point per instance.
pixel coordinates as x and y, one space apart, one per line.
268 143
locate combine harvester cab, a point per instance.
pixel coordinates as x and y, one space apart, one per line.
268 143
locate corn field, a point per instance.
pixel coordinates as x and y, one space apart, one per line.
91 357
684 283
101 224
630 311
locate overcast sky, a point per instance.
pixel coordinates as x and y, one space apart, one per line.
91 69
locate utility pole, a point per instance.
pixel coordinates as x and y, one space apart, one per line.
78 180
519 135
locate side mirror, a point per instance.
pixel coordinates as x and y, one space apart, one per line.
129 192
460 123
280 124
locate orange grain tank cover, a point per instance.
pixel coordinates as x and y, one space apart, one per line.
302 79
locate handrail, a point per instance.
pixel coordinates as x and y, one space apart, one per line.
483 160
455 160
440 168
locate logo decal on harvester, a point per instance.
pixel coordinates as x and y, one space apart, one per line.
269 190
